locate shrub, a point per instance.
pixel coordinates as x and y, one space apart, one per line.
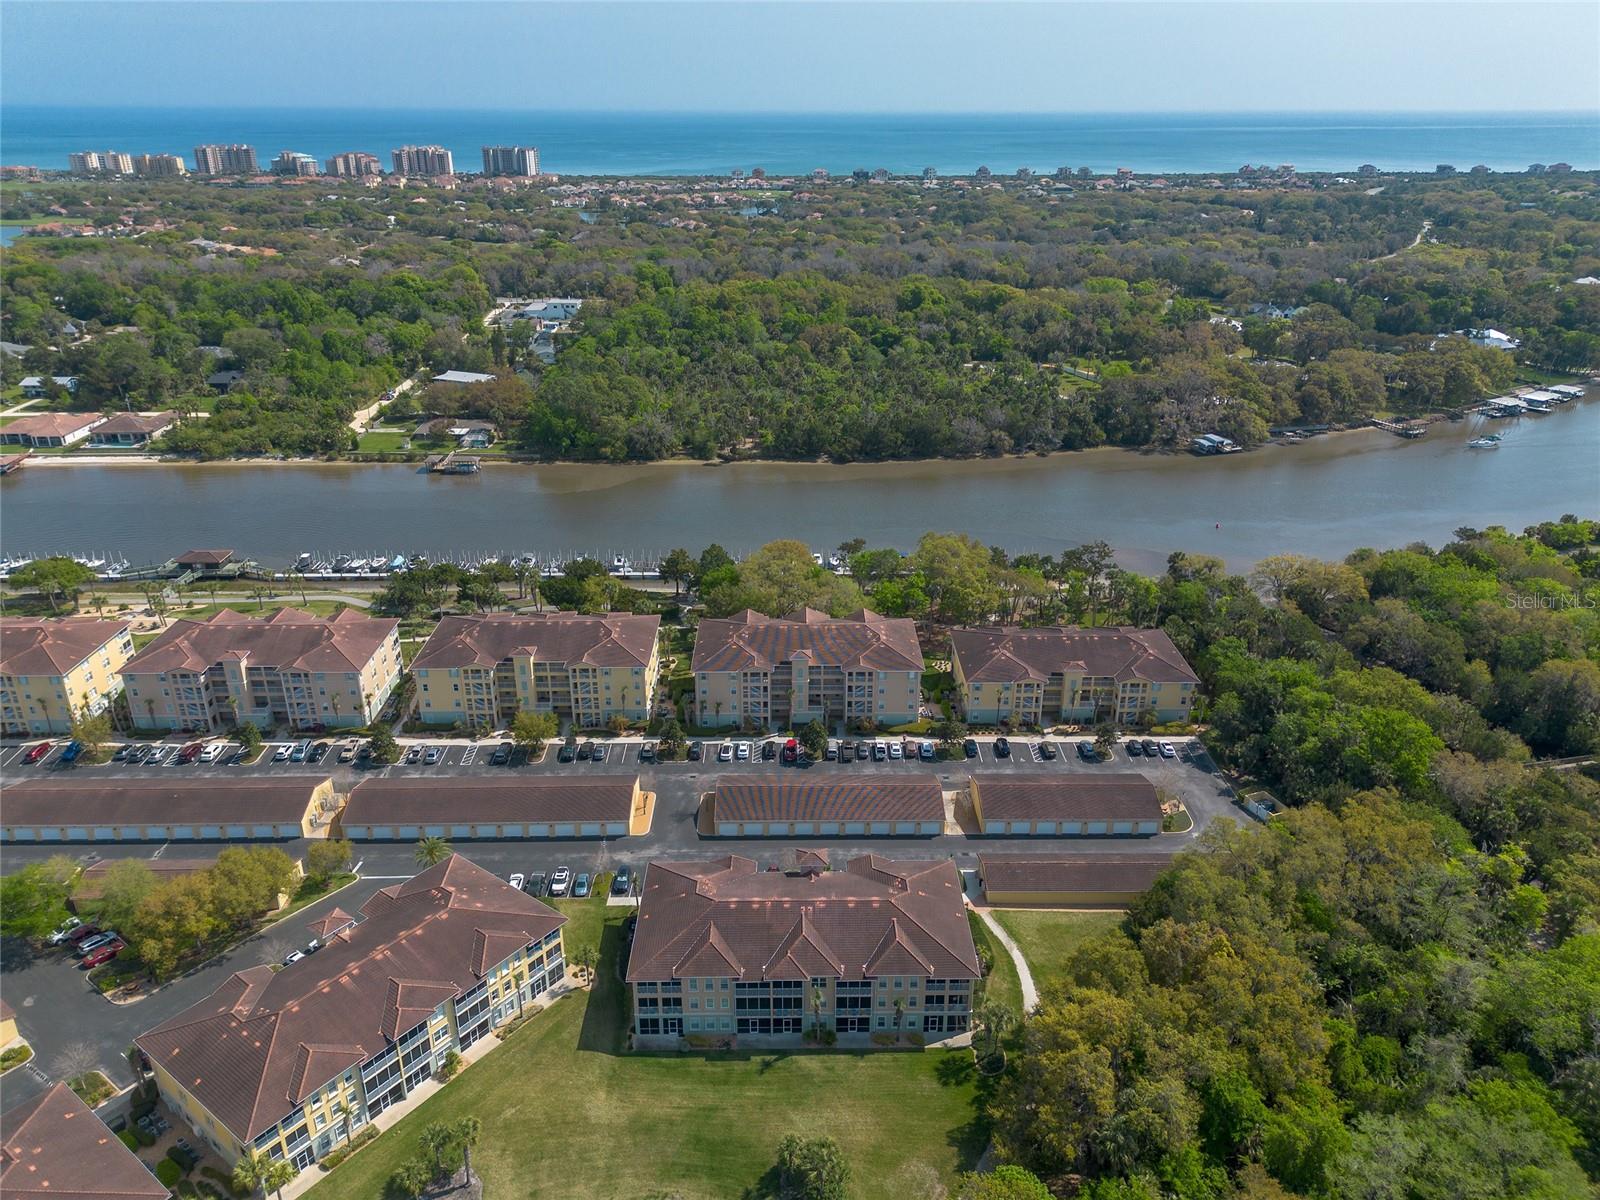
916 1039
127 1139
225 1182
449 1066
168 1172
145 1139
142 1109
15 1057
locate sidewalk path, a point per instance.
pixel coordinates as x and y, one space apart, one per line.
1030 994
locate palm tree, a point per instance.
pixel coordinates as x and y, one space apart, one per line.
431 851
437 1140
816 1012
467 1130
257 1172
899 1015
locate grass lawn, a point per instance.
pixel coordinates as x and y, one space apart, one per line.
387 443
1002 983
1048 939
567 1112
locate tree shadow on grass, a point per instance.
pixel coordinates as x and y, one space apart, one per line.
971 1138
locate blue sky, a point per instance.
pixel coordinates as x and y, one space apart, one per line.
726 56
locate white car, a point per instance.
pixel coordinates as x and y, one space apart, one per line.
516 881
1167 750
213 752
742 751
725 752
61 934
560 881
927 752
281 754
896 750
293 957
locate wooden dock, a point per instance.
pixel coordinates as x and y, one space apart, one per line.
13 462
453 463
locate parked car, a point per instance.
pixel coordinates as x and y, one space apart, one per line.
1148 745
80 935
567 753
791 751
364 755
1135 750
293 957
769 751
927 751
1002 748
64 931
580 886
281 754
741 751
647 752
1168 751
1047 751
696 752
586 752
970 747
431 756
560 881
103 954
501 755
413 755
189 753
863 751
879 752
122 753
319 752
516 880
725 752
622 881
347 752
847 750
599 754
535 884
212 752
158 755
1087 752
313 945
832 752
70 754
38 752
301 749
895 750
90 944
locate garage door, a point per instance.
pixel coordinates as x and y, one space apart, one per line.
509 831
466 831
538 831
854 828
1044 826
829 829
932 827
482 831
1147 827
616 829
880 828
804 828
237 831
994 826
409 832
104 833
213 832
78 833
182 833
905 827
381 831
261 831
563 830
1097 826
727 828
1122 827
25 835
433 830
129 833
1072 828
590 829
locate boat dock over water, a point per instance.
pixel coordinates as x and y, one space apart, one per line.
453 463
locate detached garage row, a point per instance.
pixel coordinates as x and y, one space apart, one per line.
826 806
159 810
1110 805
461 809
1066 880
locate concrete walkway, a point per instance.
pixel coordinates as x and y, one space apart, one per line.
1030 993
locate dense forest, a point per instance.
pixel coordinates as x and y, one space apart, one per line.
848 320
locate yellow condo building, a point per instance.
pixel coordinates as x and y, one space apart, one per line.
484 670
52 669
1065 674
291 1063
292 668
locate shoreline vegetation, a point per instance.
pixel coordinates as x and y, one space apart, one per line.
859 319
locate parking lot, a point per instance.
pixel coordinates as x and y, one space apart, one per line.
57 1007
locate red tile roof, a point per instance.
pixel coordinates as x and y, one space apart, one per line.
612 640
110 800
52 424
264 1040
1119 796
33 646
1069 872
878 916
289 639
829 798
53 1145
1005 654
750 641
136 423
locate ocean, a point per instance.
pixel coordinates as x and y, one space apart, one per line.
577 143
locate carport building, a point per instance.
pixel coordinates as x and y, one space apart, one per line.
1122 804
827 806
164 810
405 809
1067 880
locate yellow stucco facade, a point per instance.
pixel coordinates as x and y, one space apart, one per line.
38 703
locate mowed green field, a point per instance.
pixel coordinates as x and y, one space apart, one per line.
1048 939
567 1112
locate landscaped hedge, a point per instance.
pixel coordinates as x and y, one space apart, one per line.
127 1139
168 1172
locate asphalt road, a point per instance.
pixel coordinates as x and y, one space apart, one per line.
57 1009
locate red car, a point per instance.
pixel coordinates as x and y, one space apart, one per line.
105 954
791 750
37 753
190 752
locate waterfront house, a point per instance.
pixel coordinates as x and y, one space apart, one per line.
50 429
53 1146
132 429
777 672
291 1063
292 668
34 387
484 670
725 951
1058 674
51 670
